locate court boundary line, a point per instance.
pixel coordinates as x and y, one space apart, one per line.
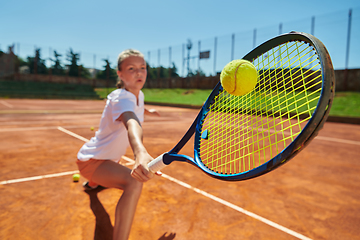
237 208
6 104
321 138
28 179
183 184
210 196
53 111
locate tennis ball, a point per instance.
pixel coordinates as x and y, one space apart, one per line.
92 128
239 77
76 177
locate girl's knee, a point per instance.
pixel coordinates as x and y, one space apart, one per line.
134 185
133 188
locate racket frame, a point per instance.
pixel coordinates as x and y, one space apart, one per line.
308 133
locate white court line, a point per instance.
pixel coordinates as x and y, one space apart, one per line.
26 129
321 138
53 175
237 208
6 104
214 198
208 195
39 128
130 162
337 140
73 134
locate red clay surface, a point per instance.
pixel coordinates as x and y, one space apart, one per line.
316 194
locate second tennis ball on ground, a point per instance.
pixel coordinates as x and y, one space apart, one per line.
239 77
76 177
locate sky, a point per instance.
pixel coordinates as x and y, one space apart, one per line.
105 28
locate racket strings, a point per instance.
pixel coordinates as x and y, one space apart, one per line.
244 132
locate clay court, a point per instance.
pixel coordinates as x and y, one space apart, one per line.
314 196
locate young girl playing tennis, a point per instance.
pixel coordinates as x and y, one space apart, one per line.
120 126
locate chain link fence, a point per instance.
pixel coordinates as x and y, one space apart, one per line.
339 31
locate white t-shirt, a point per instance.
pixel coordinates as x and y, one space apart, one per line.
111 140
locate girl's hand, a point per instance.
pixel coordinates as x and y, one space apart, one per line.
140 170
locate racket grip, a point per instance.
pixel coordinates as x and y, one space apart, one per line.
157 164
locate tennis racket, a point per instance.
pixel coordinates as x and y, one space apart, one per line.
238 138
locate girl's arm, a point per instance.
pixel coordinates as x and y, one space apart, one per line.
140 171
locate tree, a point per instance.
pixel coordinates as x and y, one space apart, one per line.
173 70
151 72
107 73
36 64
84 72
21 62
196 73
161 72
57 69
73 58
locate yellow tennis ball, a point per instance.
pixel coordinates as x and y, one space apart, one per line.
76 177
92 128
239 77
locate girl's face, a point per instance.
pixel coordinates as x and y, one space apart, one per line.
133 74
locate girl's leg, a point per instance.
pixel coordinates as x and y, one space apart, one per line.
113 175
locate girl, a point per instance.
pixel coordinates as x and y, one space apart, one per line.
120 126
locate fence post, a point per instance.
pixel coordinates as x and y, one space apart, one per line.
312 33
313 25
35 64
199 46
170 67
254 38
158 71
215 46
232 46
183 59
347 51
50 68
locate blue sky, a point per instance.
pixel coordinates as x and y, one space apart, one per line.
105 28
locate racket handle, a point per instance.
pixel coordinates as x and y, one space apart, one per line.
157 164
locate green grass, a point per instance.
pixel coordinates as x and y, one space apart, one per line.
103 92
345 104
45 90
195 97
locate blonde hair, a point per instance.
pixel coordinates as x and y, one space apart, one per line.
122 56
